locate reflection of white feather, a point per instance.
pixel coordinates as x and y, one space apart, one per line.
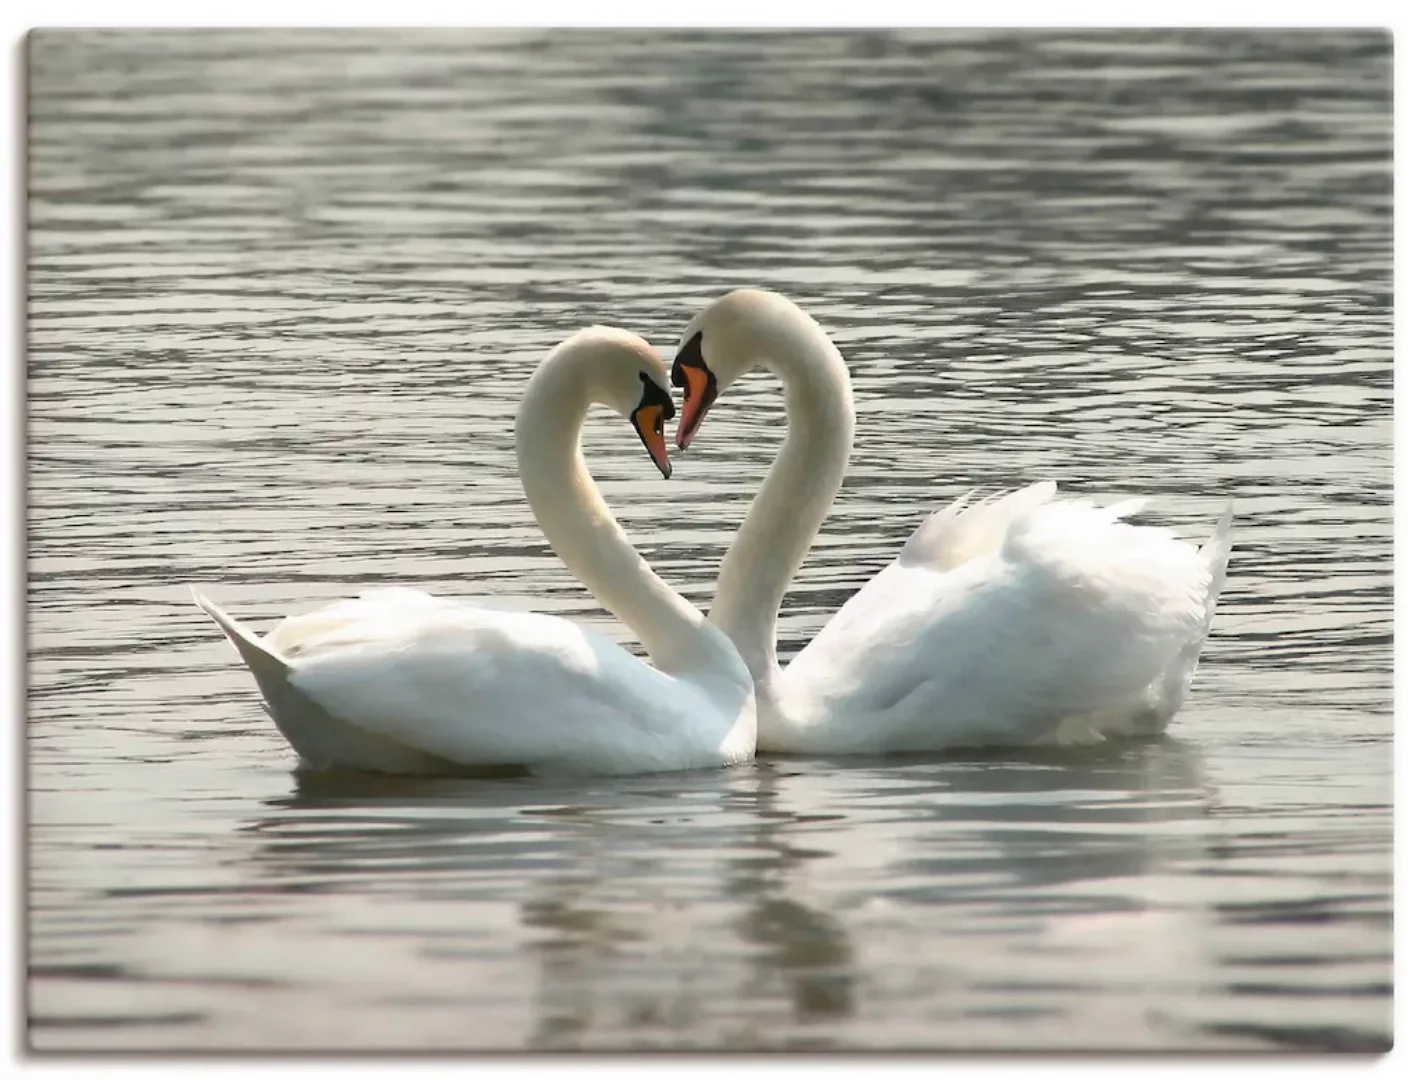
981 889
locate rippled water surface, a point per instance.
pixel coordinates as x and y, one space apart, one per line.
285 289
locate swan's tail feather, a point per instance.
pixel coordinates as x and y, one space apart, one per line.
266 665
1166 696
321 739
1215 554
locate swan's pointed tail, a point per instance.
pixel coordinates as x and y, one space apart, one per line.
1215 554
1166 696
266 665
321 739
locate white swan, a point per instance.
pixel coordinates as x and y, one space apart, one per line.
1016 620
399 681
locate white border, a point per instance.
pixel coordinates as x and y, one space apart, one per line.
726 13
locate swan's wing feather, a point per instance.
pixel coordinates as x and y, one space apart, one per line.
949 538
479 686
965 529
299 633
1075 613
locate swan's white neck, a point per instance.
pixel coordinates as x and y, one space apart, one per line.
585 535
801 485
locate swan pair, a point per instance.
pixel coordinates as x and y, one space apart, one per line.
1016 620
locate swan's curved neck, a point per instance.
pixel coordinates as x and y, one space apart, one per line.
583 532
800 487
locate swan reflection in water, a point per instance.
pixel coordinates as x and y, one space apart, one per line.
747 907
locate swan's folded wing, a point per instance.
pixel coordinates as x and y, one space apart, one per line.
479 686
1075 614
948 539
300 633
966 529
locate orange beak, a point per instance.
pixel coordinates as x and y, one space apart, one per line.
649 421
697 396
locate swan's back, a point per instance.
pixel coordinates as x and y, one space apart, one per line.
473 684
1072 615
400 681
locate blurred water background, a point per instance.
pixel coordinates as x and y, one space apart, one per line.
284 290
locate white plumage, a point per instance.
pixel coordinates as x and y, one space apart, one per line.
400 681
1048 620
1014 620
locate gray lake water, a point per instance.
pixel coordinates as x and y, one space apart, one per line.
284 292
